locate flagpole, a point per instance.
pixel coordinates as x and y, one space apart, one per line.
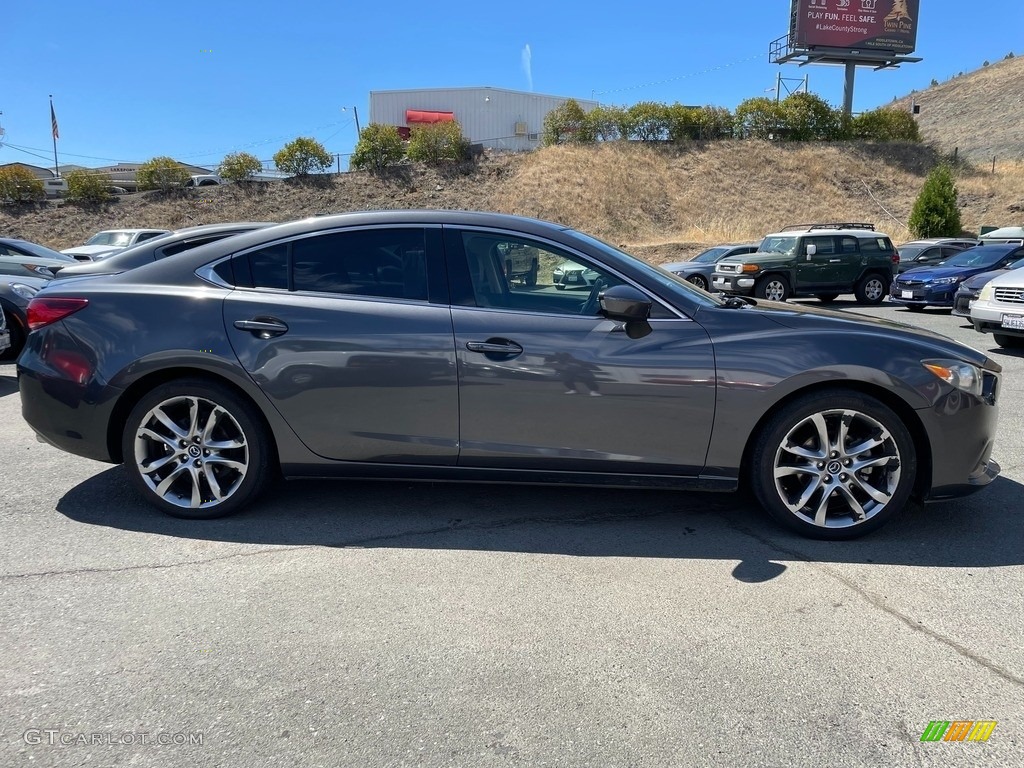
56 168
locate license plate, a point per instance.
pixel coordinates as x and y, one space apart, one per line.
573 278
1014 321
907 294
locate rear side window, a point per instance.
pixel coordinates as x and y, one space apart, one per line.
269 267
875 245
371 262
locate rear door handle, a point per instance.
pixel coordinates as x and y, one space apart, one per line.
495 347
834 261
263 327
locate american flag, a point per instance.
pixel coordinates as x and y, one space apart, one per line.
53 122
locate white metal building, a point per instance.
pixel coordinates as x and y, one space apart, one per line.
495 117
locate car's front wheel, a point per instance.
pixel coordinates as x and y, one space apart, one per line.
196 449
871 289
699 280
833 464
772 288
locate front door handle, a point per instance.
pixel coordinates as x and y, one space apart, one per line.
262 327
495 347
834 261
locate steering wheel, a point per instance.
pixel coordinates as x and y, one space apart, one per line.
591 305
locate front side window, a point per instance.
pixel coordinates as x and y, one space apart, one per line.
514 273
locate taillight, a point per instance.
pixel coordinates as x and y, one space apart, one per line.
895 257
43 311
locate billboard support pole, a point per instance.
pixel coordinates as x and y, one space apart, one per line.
851 72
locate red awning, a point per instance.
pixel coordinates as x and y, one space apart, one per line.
425 116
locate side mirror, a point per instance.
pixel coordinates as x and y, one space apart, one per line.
811 250
624 302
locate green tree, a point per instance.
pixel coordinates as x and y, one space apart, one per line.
19 185
650 121
88 186
378 147
759 118
808 117
935 212
302 157
163 173
568 124
886 124
438 142
714 122
239 166
606 122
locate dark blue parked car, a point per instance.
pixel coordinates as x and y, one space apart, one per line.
936 286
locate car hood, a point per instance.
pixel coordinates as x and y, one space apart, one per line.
978 281
927 274
807 318
92 250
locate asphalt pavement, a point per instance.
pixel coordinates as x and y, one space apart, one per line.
399 624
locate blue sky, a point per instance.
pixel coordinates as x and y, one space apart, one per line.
196 79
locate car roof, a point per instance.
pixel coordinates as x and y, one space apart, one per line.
864 233
203 229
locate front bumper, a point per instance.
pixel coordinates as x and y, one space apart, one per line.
989 317
962 302
922 295
728 283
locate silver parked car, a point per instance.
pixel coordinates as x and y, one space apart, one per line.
699 269
393 344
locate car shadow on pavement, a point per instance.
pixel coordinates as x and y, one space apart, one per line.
979 531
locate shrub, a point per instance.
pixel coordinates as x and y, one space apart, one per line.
19 185
568 124
437 142
303 156
239 166
808 117
605 123
759 118
886 124
163 173
88 186
935 212
379 146
650 121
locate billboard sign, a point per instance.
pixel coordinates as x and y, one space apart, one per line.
867 25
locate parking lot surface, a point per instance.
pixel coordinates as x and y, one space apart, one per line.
363 624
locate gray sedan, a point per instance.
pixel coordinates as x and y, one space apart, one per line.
21 258
392 345
698 270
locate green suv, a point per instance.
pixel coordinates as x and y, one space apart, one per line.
822 260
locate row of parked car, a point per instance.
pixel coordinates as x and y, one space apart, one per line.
826 260
25 267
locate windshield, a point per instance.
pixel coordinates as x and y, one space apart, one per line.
42 252
710 256
664 278
976 257
110 238
775 244
908 252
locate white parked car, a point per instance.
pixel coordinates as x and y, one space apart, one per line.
110 241
204 180
999 309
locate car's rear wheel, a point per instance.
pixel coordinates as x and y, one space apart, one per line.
1003 340
871 289
772 288
834 464
827 298
196 449
699 280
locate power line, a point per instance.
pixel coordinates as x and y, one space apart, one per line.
678 77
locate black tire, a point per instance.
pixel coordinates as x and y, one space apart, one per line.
18 336
194 459
1003 340
871 289
699 280
772 288
820 497
827 298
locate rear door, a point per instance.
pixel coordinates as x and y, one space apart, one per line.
547 383
352 342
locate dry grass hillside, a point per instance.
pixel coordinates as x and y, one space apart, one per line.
661 203
981 113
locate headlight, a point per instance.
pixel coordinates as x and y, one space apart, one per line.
25 291
987 292
38 269
750 268
946 280
957 374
